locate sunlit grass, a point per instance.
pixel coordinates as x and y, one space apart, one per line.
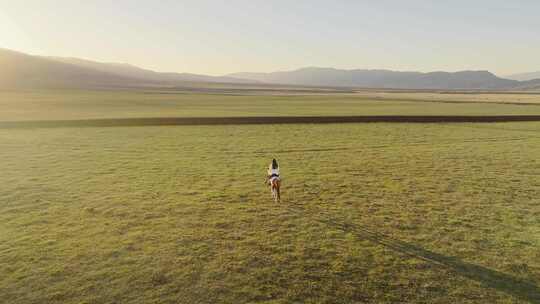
62 104
381 213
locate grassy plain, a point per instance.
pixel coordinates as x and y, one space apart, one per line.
532 98
371 213
43 105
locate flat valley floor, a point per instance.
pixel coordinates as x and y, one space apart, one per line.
371 213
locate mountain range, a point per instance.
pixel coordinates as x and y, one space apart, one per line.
524 76
127 70
19 70
464 80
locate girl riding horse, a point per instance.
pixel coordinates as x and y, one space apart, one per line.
274 180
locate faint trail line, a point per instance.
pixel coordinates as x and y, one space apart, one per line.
506 283
251 120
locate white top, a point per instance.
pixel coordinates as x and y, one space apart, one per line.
273 171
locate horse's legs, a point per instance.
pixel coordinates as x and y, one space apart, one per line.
274 187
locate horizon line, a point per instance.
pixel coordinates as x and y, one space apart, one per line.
50 56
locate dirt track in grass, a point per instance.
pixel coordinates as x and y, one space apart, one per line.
173 121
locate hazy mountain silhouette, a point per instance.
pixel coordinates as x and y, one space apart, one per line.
19 70
384 79
524 76
529 85
131 71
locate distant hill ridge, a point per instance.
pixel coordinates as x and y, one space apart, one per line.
525 76
19 70
385 79
132 71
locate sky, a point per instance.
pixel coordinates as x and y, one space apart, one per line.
220 37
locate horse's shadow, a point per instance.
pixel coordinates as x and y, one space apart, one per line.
506 283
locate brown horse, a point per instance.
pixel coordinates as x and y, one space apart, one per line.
275 183
274 180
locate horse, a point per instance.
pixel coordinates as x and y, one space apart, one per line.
274 180
275 184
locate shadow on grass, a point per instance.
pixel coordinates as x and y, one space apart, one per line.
506 283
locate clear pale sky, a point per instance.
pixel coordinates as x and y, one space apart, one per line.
219 37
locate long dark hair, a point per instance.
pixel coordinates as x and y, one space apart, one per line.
274 164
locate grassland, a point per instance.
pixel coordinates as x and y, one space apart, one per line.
55 105
523 97
371 213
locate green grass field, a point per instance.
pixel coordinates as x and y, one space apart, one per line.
43 105
371 213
